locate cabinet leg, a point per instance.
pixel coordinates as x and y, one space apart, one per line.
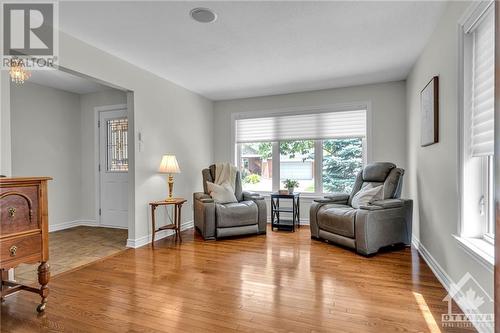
43 279
4 277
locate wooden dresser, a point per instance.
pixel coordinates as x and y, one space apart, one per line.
24 232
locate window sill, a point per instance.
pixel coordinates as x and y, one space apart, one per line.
303 195
479 249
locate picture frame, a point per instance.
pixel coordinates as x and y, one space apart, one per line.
429 113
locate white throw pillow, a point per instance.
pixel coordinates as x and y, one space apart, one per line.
221 193
367 195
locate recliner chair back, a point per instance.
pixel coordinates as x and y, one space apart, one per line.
380 173
209 176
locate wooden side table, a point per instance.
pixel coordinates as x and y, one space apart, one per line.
177 203
276 220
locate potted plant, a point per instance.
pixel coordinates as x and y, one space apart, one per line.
290 185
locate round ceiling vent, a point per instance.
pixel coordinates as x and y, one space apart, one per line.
203 15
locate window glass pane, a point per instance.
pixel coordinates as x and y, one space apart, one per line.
297 163
117 156
256 166
342 160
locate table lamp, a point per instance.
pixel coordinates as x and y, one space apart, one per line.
169 165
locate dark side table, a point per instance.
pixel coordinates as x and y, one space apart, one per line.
291 214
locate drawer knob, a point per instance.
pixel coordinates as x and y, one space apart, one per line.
13 250
12 212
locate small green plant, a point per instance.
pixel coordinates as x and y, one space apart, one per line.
252 179
290 183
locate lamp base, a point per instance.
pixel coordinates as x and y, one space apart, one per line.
170 188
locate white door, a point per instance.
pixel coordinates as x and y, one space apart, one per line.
113 168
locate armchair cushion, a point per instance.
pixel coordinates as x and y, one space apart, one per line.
377 172
366 195
338 219
221 193
236 214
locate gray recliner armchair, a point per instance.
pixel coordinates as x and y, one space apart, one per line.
370 227
213 220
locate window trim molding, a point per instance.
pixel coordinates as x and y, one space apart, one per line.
297 110
469 19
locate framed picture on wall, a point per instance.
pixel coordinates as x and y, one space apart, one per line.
429 113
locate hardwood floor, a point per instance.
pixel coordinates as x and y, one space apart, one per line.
75 247
284 282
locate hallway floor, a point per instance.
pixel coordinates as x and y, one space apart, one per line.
75 247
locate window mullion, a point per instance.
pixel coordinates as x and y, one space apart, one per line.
318 166
238 156
276 166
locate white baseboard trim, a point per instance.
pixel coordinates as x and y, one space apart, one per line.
72 224
445 280
144 240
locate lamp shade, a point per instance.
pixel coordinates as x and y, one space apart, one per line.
169 164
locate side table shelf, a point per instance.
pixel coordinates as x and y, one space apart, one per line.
292 213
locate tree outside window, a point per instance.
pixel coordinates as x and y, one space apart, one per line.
342 161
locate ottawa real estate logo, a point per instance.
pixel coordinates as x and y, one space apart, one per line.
475 303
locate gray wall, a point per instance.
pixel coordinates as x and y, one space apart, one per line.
433 171
388 109
5 136
46 142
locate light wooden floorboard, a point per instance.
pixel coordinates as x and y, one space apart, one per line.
282 282
75 247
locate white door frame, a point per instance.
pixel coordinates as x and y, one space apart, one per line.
97 147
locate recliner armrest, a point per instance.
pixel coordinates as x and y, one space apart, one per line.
252 196
203 197
383 204
334 198
261 206
388 203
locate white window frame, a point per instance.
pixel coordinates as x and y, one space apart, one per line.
318 184
473 234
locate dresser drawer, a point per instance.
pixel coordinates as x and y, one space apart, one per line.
14 249
18 209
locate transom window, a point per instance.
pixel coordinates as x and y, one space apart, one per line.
322 151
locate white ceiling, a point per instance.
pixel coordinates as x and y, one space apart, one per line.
64 81
260 48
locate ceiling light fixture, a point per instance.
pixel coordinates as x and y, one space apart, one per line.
203 15
18 72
